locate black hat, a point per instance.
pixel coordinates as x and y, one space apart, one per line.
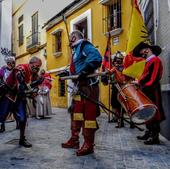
155 49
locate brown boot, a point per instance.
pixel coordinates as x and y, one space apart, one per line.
71 143
85 149
88 145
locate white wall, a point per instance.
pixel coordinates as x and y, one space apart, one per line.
6 27
46 10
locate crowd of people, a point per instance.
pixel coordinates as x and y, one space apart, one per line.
86 60
23 81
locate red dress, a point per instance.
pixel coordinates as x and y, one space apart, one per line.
47 81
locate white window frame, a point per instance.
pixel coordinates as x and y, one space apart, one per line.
86 14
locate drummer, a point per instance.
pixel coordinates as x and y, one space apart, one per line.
150 85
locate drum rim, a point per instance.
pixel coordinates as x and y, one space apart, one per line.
147 105
129 84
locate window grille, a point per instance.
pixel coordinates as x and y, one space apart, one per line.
112 16
61 88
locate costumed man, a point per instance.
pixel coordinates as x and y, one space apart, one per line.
150 85
6 105
43 106
23 80
117 62
85 60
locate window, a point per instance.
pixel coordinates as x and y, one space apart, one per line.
35 28
82 27
112 15
57 41
61 88
83 24
35 23
21 36
20 19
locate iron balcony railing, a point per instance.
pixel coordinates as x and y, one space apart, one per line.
33 40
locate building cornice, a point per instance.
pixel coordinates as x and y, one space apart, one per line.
27 53
66 12
19 7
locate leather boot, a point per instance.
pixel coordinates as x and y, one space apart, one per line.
2 129
23 142
88 145
87 148
145 136
152 140
73 142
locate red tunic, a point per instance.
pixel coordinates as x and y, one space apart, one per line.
12 81
150 83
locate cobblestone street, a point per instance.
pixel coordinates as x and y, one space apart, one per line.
115 148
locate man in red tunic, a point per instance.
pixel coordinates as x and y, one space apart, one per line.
20 81
150 85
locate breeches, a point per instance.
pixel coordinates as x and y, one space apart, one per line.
21 110
84 110
5 107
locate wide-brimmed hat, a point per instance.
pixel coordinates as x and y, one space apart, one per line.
155 49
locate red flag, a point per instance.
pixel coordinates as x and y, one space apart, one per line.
107 62
129 59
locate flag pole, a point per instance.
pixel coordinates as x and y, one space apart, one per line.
67 31
109 56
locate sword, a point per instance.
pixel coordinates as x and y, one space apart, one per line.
74 77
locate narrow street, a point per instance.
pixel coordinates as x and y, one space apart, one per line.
115 148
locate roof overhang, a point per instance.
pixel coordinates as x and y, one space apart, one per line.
70 9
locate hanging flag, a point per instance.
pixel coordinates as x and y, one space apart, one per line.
133 66
137 33
107 63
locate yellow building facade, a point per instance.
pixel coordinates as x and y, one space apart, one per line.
93 15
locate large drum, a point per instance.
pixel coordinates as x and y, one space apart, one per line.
139 107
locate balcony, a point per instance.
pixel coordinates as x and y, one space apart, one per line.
33 42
